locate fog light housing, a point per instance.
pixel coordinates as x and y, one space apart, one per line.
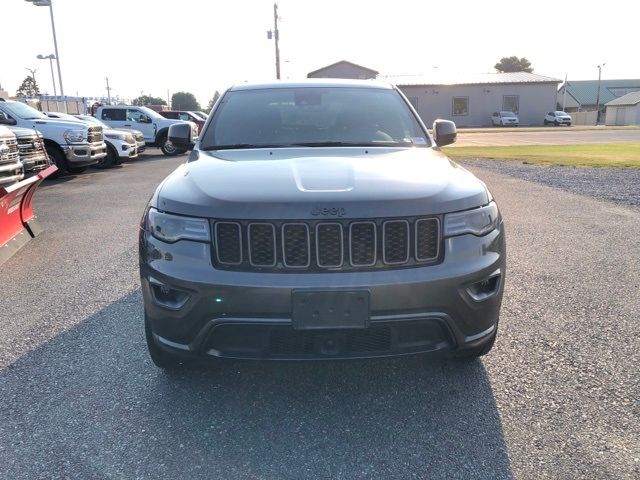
486 288
166 296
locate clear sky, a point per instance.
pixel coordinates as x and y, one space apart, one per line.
152 46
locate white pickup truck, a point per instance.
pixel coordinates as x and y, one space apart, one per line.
11 169
71 146
153 126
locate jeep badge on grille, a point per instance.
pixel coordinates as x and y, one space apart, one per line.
328 212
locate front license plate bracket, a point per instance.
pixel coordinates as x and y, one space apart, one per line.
316 310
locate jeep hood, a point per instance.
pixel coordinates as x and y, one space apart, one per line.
294 182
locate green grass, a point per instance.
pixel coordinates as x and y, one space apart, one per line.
585 155
545 129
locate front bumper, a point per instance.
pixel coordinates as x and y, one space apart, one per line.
141 146
193 309
85 154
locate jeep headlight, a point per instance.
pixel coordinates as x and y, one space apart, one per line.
171 228
478 221
75 136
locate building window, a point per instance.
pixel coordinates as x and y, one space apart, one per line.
413 101
511 103
460 105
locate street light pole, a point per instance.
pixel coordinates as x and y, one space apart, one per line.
598 94
33 74
50 57
49 3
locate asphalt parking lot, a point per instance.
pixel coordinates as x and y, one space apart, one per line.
557 136
556 398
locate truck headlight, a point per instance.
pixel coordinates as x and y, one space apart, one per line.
75 136
478 221
171 228
117 136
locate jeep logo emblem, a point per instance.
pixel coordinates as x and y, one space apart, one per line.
328 212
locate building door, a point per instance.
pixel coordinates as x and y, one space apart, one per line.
621 115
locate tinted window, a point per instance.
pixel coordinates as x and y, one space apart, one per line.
134 115
170 114
114 114
313 115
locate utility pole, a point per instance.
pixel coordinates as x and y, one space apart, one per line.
598 95
108 91
277 38
564 93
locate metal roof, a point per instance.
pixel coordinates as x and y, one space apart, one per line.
585 92
374 72
632 98
313 82
467 79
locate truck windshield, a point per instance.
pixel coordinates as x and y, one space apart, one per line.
313 117
23 111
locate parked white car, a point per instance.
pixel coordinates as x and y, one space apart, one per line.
557 118
153 126
504 119
121 144
137 134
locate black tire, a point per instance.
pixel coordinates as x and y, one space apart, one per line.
546 123
168 148
160 358
110 160
58 159
556 123
478 351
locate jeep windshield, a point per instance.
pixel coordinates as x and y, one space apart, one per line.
23 111
313 117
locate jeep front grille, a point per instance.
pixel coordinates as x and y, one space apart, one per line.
326 245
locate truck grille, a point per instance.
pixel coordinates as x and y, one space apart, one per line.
326 245
94 135
13 151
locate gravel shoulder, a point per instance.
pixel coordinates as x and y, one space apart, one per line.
620 185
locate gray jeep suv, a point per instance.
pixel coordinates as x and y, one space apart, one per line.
319 220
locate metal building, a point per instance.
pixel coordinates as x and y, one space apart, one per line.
624 110
344 69
471 100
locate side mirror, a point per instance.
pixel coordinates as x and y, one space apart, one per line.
6 120
180 135
444 132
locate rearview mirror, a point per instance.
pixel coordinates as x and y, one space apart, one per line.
180 135
6 120
444 132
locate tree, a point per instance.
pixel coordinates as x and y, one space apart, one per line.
144 100
212 102
28 88
513 64
184 101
